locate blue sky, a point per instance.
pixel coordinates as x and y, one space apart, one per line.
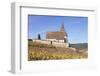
75 26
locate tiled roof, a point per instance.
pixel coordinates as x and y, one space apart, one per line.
56 35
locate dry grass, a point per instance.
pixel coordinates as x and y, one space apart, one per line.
38 51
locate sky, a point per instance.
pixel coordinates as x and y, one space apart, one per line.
75 26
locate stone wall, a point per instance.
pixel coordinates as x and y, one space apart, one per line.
56 44
42 41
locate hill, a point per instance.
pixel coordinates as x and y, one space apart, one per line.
38 51
79 45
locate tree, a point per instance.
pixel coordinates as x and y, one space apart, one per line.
39 37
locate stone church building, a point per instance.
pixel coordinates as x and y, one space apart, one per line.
58 36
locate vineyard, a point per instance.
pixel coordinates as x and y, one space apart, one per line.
38 51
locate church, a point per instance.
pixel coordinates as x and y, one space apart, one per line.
60 36
55 38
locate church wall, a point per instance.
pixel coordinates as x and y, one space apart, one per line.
51 39
61 41
54 40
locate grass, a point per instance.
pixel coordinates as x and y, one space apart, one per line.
38 51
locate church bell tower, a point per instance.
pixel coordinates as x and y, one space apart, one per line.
62 28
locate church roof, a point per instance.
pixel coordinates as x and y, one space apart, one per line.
56 35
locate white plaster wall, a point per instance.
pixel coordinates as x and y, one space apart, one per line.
55 40
61 41
51 39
